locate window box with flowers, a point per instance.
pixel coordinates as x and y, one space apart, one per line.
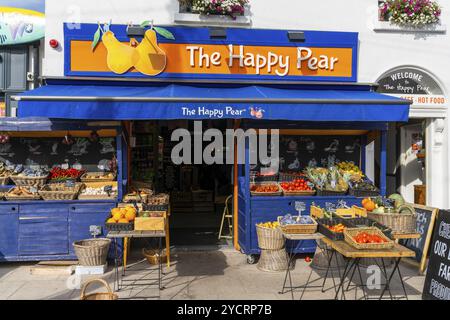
409 15
213 12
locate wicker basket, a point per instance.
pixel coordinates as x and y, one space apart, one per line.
398 222
4 180
110 295
299 228
258 194
273 261
59 191
152 256
269 239
12 197
102 177
20 180
349 233
92 252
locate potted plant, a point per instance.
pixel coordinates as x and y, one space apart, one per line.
415 13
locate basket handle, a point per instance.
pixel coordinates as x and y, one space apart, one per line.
105 284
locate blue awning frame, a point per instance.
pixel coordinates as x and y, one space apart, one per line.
197 101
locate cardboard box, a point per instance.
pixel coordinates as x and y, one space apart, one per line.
149 224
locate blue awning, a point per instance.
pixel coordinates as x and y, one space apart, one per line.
171 101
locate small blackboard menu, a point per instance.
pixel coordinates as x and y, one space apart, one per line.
424 226
437 280
48 152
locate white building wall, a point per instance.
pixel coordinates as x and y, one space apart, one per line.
378 52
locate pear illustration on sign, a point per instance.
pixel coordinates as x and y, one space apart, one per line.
146 57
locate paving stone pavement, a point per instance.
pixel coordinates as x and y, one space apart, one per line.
222 274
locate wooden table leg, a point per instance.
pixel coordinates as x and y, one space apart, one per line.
168 242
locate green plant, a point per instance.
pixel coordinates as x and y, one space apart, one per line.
410 12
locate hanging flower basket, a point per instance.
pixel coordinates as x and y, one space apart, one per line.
232 8
412 13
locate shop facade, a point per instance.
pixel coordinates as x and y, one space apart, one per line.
273 75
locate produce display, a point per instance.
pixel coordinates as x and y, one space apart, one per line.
290 220
348 167
98 176
159 199
338 228
297 185
58 173
30 173
364 238
265 188
363 185
100 191
23 191
5 171
269 225
122 215
327 179
393 204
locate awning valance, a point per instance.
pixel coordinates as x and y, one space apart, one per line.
201 101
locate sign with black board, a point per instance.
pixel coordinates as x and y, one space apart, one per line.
424 226
437 280
49 151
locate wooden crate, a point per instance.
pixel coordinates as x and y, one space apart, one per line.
149 224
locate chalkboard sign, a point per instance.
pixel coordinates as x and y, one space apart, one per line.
298 152
437 280
425 223
49 152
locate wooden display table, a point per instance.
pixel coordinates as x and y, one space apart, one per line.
353 256
115 235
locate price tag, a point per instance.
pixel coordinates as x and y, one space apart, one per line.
78 166
300 207
65 166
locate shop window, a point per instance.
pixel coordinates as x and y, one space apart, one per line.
193 13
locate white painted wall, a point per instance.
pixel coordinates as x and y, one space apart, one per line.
379 51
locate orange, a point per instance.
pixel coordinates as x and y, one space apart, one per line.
123 220
130 216
111 220
114 211
118 216
369 205
365 201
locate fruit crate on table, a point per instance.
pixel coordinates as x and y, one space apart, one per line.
60 191
119 226
299 228
336 236
350 233
366 223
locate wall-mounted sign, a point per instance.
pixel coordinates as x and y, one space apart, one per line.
191 53
412 84
20 26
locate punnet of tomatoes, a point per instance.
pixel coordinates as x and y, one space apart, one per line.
297 185
58 173
364 237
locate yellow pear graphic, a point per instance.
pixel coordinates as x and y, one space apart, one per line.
121 57
152 59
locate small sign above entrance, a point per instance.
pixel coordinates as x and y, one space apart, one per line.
412 84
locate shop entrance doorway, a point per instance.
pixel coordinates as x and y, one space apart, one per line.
197 191
406 160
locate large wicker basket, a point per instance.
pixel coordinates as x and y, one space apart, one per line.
299 228
398 222
21 180
110 295
269 238
349 233
92 252
59 191
273 261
